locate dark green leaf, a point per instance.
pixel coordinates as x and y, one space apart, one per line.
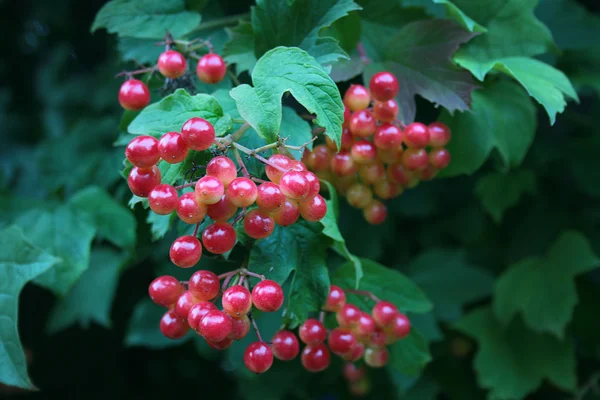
239 50
410 355
144 51
344 70
499 192
296 130
572 26
446 8
346 30
160 224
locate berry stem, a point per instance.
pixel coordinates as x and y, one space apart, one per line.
255 327
185 185
239 217
400 124
136 72
322 316
234 78
302 146
252 153
229 274
266 147
249 273
258 180
364 293
241 163
196 229
363 54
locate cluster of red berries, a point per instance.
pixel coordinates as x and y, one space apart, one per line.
211 68
379 157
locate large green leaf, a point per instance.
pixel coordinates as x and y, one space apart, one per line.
239 49
20 262
573 27
542 289
446 8
499 192
144 51
410 355
146 19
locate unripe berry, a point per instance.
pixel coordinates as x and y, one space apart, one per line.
237 301
348 316
399 328
288 214
439 158
294 185
391 156
353 373
356 353
385 111
134 95
384 313
399 174
198 133
258 225
341 341
439 134
209 190
172 64
267 296
142 151
376 357
342 164
172 147
239 328
388 137
315 358
189 209
222 168
211 68
375 213
318 159
185 251
258 357
222 210
222 345
386 189
363 152
312 332
242 192
184 304
165 290
197 313
357 98
362 124
415 159
163 199
204 285
142 181
359 195
343 183
371 173
416 135
365 327
172 326
219 238
378 338
285 345
269 197
215 326
313 210
280 161
383 86
336 299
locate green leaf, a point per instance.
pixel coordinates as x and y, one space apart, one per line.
239 49
291 70
450 281
160 224
499 192
503 118
169 114
346 30
410 355
446 8
573 27
513 362
144 51
542 289
91 298
146 19
344 70
20 262
296 129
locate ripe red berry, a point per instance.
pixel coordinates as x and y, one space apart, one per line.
219 238
356 353
184 304
347 141
258 357
376 357
428 173
237 301
318 159
294 185
357 98
371 173
313 210
189 209
375 212
439 134
365 327
348 316
215 326
288 214
211 68
314 184
172 148
267 296
204 285
415 159
173 326
239 327
315 358
222 210
242 192
336 299
388 137
134 95
383 86
391 156
222 345
197 313
347 114
416 135
384 313
172 64
399 174
312 332
142 181
185 251
341 341
386 189
258 225
353 373
209 190
198 133
269 197
280 161
399 328
363 152
439 158
163 199
342 164
285 345
142 151
385 111
378 338
359 195
165 290
222 168
362 123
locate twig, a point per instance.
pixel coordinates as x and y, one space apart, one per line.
364 293
266 147
255 327
322 316
302 146
250 273
258 180
252 153
135 72
239 217
233 77
185 185
241 163
196 229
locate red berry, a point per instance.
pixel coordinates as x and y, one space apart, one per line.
269 197
313 210
173 326
318 159
341 341
371 173
439 134
314 184
342 164
280 161
197 313
335 300
258 225
285 345
378 338
416 135
376 357
215 326
384 313
237 301
439 158
222 168
185 251
363 152
242 192
267 296
172 148
142 151
391 156
172 64
209 190
184 304
383 86
428 173
388 137
258 357
312 332
315 358
142 181
163 199
222 345
387 189
352 373
347 114
219 238
365 327
189 209
348 316
211 68
293 184
198 133
222 210
204 285
375 212
165 290
359 195
415 159
134 95
399 174
362 123
288 214
357 98
239 327
356 353
399 327
347 141
385 111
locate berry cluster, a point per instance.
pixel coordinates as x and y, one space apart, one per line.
379 157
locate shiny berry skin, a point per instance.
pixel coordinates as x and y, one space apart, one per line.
378 338
219 238
239 327
204 285
288 214
439 134
222 345
399 174
415 159
362 124
198 133
341 341
242 192
143 152
165 290
222 168
267 296
312 332
388 137
399 327
211 68
237 301
258 357
173 326
376 357
282 162
294 185
209 190
385 111
185 251
375 213
197 313
371 173
416 135
359 195
314 184
134 95
318 159
365 327
315 358
222 210
163 199
336 299
383 86
258 225
384 313
428 173
313 210
386 189
285 345
363 152
353 373
347 114
172 64
269 197
348 316
342 164
215 326
142 181
184 304
439 158
357 98
356 353
172 148
189 209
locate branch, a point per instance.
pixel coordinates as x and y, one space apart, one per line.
364 293
255 327
252 153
